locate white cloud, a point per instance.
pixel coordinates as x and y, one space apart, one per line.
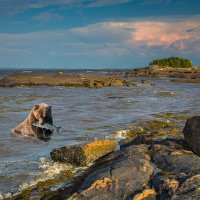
108 41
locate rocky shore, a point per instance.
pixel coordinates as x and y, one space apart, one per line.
61 79
190 75
143 166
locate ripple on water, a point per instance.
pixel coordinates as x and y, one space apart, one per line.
84 115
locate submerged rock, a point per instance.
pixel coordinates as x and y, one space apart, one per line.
82 155
192 133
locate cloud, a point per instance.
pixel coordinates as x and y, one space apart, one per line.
152 2
167 33
12 7
123 42
48 17
101 3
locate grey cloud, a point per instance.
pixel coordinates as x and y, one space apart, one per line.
101 3
131 29
12 7
47 17
151 2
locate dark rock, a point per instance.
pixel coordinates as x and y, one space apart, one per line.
192 133
180 169
122 178
135 140
189 189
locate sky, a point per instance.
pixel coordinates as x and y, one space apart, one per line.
97 34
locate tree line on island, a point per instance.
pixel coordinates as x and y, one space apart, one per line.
175 62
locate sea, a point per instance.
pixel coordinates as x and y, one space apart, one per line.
83 114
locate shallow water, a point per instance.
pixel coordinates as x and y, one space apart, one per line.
84 114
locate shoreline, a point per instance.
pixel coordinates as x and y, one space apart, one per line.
61 79
140 138
113 77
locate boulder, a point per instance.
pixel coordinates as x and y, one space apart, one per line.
192 133
82 155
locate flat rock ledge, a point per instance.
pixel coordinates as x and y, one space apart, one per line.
64 80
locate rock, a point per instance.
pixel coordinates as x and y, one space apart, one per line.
135 140
81 155
190 75
174 156
61 79
189 189
121 178
149 130
192 133
146 82
147 194
179 175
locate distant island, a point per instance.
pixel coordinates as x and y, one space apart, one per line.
175 62
180 69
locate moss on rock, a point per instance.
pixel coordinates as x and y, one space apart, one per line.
82 155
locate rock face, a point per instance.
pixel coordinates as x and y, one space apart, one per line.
125 176
82 155
192 133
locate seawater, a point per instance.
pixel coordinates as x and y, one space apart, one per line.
84 114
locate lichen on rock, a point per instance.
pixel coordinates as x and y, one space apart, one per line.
82 155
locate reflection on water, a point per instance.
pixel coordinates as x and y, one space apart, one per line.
84 114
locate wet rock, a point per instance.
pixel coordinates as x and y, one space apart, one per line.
146 82
135 140
66 80
192 133
121 178
81 155
148 130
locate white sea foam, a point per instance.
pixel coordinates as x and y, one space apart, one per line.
118 135
49 170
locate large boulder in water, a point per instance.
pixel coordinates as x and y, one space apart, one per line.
192 133
81 155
